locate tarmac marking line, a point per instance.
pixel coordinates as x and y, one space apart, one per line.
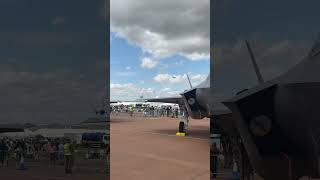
164 134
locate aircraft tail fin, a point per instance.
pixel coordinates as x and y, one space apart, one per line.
189 81
315 49
255 66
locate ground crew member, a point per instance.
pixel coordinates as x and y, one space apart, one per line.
168 111
131 110
176 112
67 156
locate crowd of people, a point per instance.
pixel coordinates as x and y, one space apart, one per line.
34 148
161 111
148 110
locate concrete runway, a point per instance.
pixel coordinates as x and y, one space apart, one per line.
147 149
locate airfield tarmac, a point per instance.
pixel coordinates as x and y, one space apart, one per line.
145 148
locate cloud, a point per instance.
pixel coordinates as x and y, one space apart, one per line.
128 68
164 28
46 40
170 79
130 91
53 96
125 73
167 78
58 20
233 69
165 89
197 78
148 63
141 81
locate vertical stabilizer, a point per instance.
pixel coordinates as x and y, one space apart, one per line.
315 49
255 66
189 81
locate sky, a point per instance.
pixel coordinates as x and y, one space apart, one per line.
280 33
53 61
154 44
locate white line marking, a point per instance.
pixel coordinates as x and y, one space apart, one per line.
164 134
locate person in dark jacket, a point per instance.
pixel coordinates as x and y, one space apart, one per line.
2 152
213 159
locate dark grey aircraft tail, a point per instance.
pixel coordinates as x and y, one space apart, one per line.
315 50
278 121
255 66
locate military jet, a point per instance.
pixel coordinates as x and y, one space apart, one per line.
192 103
278 121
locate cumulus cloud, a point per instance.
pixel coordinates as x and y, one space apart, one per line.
165 89
42 97
141 81
233 69
125 73
164 28
148 63
197 78
58 20
167 78
179 79
130 91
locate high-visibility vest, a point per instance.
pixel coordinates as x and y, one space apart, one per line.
67 149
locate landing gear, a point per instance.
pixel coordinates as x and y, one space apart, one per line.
181 127
183 124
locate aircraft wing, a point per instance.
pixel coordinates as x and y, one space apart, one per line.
174 100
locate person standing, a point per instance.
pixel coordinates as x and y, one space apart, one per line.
2 152
131 110
152 111
60 150
37 148
213 161
6 153
52 150
67 156
72 147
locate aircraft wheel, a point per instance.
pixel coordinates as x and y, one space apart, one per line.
181 127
